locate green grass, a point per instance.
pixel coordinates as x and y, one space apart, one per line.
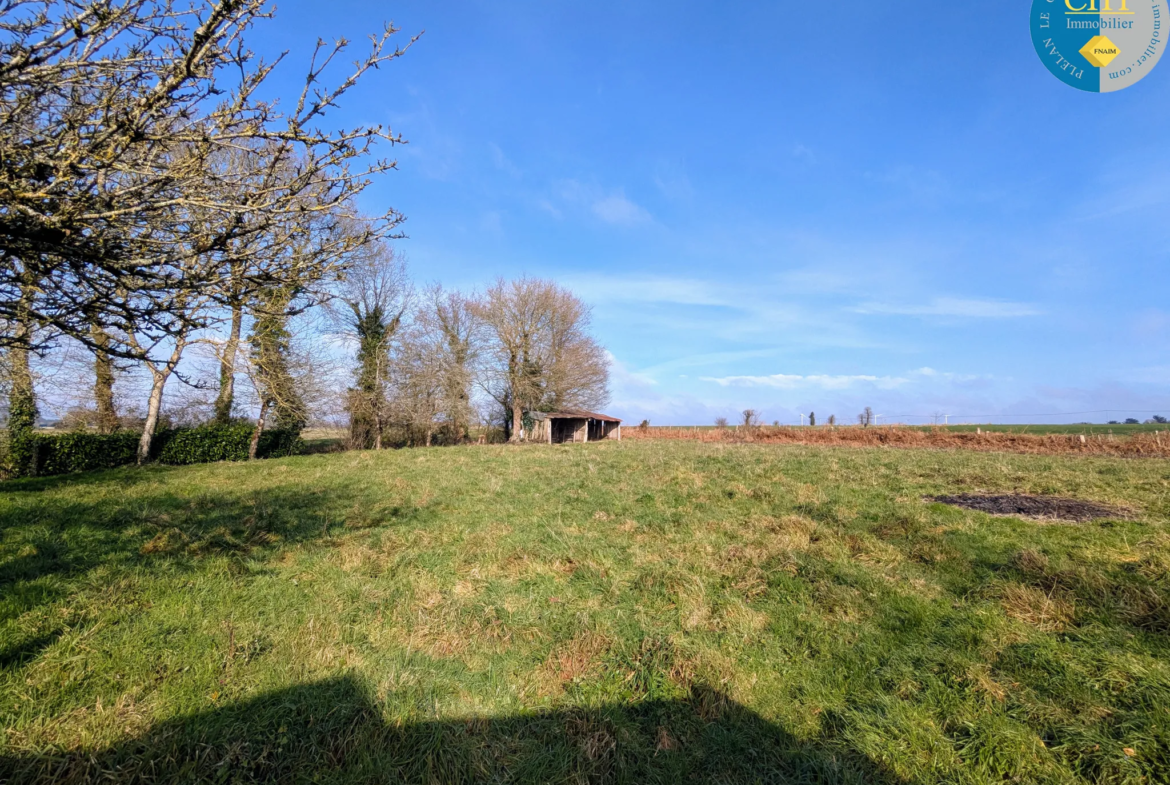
631 612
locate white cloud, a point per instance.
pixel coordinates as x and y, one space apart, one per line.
931 373
651 289
502 162
955 307
802 153
617 209
785 381
613 207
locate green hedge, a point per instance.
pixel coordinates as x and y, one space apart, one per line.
210 443
79 452
42 454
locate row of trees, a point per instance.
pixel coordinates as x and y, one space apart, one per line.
753 419
433 363
149 192
153 200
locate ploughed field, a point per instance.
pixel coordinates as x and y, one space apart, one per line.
1148 443
643 611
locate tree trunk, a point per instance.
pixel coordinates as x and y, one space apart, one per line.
227 368
153 408
517 421
159 378
22 395
254 447
22 399
103 384
377 430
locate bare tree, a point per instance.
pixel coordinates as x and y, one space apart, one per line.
161 350
541 355
273 375
720 422
112 117
516 313
865 419
751 419
450 341
576 367
415 389
372 300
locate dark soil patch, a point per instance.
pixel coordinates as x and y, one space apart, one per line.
1034 506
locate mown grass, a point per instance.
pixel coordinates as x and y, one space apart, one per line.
636 611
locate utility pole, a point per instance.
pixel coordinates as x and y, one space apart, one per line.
946 419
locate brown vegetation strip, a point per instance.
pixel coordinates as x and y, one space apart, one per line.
1146 445
1034 506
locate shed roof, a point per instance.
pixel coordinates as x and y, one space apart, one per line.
575 414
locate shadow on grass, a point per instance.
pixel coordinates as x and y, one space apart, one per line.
16 654
333 731
49 542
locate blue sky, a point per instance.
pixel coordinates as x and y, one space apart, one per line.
785 207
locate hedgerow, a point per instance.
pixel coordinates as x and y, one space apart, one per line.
211 443
42 454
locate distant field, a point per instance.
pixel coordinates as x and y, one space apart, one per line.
1088 429
1078 428
633 612
1151 444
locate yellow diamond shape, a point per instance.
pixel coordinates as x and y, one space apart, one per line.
1100 51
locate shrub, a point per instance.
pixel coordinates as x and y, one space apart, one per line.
81 452
42 454
210 443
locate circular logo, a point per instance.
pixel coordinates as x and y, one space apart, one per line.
1099 45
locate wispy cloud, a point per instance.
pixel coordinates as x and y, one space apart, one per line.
673 183
953 307
785 381
502 162
930 373
652 289
617 209
802 153
611 206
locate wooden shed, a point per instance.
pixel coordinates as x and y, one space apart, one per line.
573 426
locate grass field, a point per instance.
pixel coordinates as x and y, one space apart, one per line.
643 611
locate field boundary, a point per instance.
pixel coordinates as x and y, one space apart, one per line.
1142 445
